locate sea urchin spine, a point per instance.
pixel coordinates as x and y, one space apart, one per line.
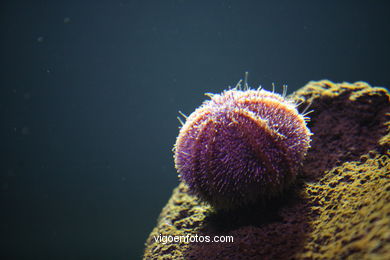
241 146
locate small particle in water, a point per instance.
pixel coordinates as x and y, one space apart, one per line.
27 96
25 130
5 186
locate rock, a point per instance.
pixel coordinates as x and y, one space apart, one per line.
338 208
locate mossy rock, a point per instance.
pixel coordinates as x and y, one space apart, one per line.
338 208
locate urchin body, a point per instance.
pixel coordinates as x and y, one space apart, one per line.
241 147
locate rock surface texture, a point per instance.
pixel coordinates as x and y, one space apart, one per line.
338 208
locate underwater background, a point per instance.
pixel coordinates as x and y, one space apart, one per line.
90 91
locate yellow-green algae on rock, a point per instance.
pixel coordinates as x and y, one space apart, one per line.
338 208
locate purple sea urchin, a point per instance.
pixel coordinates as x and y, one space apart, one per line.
241 146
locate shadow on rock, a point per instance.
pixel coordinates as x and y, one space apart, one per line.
273 231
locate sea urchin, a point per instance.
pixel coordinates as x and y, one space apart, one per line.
241 146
